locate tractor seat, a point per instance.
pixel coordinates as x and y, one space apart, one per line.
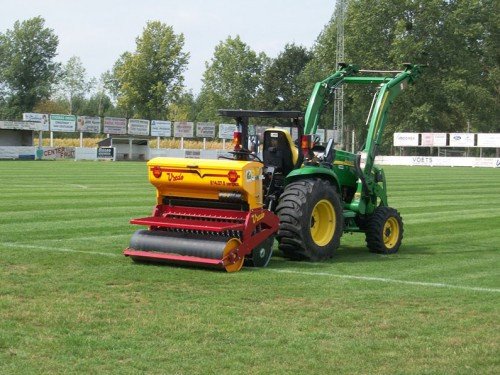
279 151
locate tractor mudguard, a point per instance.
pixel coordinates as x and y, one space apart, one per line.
311 172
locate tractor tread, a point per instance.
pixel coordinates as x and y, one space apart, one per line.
374 230
294 211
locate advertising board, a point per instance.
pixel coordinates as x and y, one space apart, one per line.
62 123
433 140
183 129
226 131
58 153
115 125
205 130
106 153
88 124
161 128
488 140
461 139
38 118
138 127
405 139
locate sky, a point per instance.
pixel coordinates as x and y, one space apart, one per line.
100 31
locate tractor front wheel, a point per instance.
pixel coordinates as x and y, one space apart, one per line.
384 231
311 220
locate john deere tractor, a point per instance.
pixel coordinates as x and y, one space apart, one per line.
226 213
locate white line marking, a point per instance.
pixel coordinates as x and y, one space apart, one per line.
87 238
59 249
384 280
341 276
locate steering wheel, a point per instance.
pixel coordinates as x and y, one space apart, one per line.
241 152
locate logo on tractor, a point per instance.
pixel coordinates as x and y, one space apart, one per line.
232 176
249 176
257 217
175 177
156 171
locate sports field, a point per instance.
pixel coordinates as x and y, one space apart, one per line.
71 303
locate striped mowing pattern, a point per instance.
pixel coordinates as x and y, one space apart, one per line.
69 302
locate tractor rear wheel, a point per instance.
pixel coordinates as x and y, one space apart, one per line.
384 231
311 220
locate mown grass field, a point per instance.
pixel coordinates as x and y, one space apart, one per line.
70 303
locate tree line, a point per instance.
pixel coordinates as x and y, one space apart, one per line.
457 39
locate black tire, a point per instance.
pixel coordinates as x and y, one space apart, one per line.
260 256
384 231
300 236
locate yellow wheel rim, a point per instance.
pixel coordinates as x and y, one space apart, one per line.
391 232
323 222
231 261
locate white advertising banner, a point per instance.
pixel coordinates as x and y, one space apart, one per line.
438 161
39 118
88 124
427 140
138 127
405 139
488 140
205 130
226 131
439 139
62 123
433 140
161 128
115 125
183 129
461 139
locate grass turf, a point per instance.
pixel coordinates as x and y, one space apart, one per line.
70 303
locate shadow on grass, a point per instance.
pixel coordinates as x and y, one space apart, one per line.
352 254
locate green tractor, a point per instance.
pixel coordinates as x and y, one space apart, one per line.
319 192
335 191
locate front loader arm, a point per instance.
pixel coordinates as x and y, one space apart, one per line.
317 100
378 119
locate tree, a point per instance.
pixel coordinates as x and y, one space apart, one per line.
27 67
151 78
51 106
457 39
453 38
73 83
231 79
280 85
183 109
